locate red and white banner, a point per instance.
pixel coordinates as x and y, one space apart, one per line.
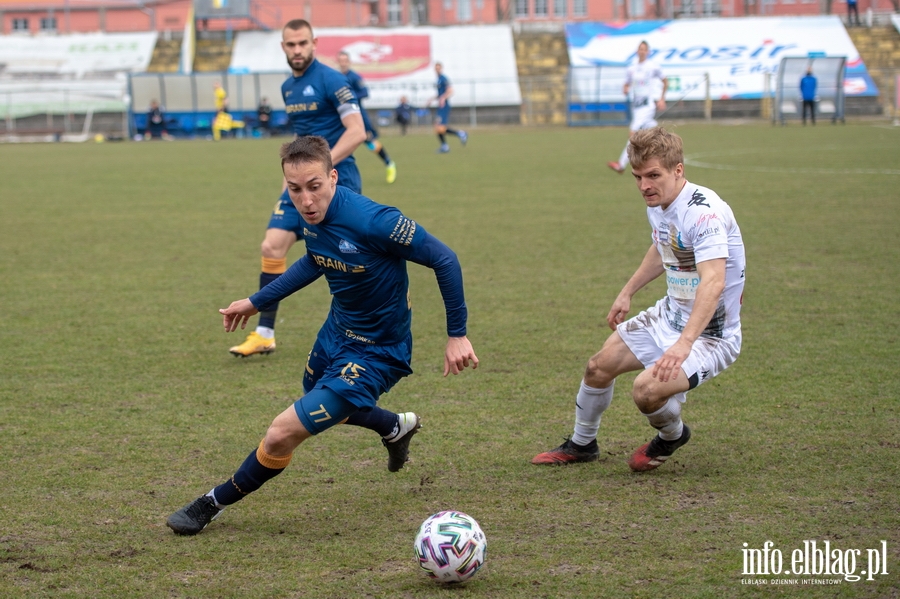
400 61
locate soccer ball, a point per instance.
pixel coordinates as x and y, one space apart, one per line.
450 546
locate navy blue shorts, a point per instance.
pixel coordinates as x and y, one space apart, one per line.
443 115
321 409
358 372
285 215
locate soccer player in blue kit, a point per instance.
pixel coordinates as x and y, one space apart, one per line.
318 101
365 345
444 92
362 92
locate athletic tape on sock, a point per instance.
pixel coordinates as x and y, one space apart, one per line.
271 461
274 266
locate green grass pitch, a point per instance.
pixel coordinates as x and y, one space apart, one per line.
119 402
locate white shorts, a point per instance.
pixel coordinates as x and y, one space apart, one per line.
648 335
644 116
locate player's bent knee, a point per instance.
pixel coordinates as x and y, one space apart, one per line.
277 248
596 374
649 394
284 434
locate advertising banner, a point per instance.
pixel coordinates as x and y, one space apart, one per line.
76 54
400 61
736 53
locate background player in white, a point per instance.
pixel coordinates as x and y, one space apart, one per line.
690 335
640 79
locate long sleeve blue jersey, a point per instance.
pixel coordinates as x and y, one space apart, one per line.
362 247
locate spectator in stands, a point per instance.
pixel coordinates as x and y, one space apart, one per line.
264 116
403 114
808 92
444 91
852 11
156 122
359 88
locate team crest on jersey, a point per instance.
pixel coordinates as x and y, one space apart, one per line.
347 248
663 234
309 91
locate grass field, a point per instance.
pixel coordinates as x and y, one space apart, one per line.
119 402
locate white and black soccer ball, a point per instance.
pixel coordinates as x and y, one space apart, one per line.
450 546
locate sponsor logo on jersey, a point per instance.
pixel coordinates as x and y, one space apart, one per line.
308 233
698 199
403 231
305 107
347 248
356 337
309 91
326 262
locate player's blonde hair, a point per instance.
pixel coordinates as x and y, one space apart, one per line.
656 142
307 148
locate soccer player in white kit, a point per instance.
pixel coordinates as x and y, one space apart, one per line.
640 79
690 335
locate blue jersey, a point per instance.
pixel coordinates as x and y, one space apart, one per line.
316 101
359 88
808 88
443 84
362 248
357 85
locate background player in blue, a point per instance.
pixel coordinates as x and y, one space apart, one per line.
444 91
318 101
362 92
365 345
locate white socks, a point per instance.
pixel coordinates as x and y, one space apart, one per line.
623 159
667 420
590 403
265 332
212 494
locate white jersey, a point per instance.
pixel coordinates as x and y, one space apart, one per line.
696 227
644 79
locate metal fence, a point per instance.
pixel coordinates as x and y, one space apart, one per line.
189 101
47 109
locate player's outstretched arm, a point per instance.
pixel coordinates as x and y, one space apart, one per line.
458 355
237 314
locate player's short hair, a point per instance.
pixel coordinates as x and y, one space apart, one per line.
656 142
307 148
297 25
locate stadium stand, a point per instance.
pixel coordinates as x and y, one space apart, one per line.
166 56
213 52
542 59
879 48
